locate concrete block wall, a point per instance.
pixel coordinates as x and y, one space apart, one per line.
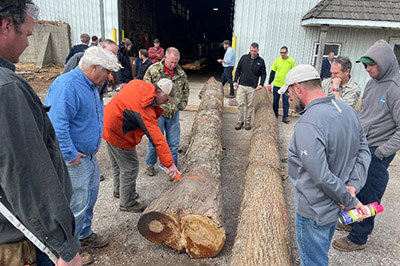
59 43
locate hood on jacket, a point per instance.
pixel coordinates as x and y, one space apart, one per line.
146 90
384 56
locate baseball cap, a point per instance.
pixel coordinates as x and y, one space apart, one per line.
226 42
156 40
300 73
365 60
167 86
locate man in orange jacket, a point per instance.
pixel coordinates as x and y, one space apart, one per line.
130 114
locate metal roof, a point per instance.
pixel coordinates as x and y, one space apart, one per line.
357 13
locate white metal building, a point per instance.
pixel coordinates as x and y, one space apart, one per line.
94 17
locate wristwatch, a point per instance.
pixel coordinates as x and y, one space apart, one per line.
336 89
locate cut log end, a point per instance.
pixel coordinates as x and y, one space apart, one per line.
160 228
204 236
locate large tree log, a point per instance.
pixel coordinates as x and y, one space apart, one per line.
188 216
262 236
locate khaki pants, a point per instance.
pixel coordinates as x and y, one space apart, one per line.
18 254
244 97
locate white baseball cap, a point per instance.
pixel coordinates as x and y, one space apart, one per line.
167 86
300 73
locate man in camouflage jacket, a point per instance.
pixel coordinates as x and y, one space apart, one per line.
169 121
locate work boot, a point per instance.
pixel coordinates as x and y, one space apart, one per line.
247 126
150 170
286 120
137 207
86 257
230 96
116 195
239 125
102 178
344 244
95 241
341 227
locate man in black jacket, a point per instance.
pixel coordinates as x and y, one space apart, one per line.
144 64
251 74
34 182
124 75
85 39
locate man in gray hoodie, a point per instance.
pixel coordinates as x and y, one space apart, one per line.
328 160
380 118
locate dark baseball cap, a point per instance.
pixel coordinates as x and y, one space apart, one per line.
226 42
156 40
365 60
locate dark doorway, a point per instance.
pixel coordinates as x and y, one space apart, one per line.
195 27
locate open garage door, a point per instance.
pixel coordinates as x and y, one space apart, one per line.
195 27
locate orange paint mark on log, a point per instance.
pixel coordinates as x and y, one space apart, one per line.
219 101
203 121
198 149
190 176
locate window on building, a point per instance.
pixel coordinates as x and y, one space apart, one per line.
396 49
329 47
395 43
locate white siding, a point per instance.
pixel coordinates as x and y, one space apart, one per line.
275 23
82 16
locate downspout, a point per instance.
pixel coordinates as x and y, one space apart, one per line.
102 24
322 40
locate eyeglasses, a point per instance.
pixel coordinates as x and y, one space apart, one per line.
283 52
287 91
30 9
100 68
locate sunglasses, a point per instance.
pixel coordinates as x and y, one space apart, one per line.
30 9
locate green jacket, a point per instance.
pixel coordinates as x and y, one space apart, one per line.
156 72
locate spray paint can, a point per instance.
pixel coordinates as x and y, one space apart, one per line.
351 216
165 169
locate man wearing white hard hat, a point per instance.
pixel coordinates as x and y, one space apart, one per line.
130 114
328 159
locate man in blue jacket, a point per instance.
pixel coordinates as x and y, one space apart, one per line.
76 112
326 66
328 159
380 117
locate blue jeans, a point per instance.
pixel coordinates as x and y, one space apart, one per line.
172 131
313 241
285 102
377 179
85 179
227 77
42 259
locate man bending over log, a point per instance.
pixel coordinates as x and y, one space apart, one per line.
130 114
328 160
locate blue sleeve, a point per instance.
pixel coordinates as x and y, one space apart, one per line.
230 57
64 106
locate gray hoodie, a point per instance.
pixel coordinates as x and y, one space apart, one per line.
380 111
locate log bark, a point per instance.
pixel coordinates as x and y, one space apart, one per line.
188 216
262 236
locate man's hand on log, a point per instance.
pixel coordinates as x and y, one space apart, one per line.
173 172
